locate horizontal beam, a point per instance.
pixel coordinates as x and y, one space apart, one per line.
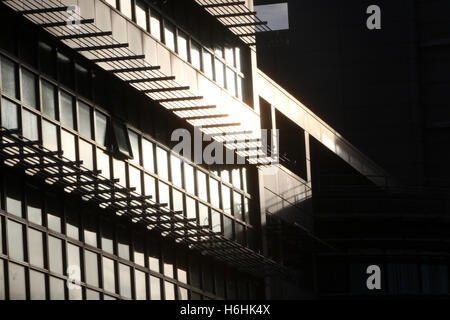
19 144
102 47
209 116
176 99
194 108
246 24
165 89
223 4
230 133
127 70
112 59
64 23
235 14
220 125
150 79
45 10
85 35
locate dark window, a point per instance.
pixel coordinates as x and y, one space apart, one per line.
34 211
134 141
101 122
49 99
228 227
67 111
10 115
14 198
83 79
123 245
85 119
29 88
90 229
46 59
9 77
121 145
65 69
72 222
107 237
138 244
54 213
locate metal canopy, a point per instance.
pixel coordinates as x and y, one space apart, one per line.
54 169
236 16
101 48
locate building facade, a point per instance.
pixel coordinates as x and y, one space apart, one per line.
97 201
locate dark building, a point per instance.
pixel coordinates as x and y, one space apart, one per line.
139 161
386 91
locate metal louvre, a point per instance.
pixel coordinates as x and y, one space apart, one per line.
53 168
100 47
236 16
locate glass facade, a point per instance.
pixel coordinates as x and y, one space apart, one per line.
44 233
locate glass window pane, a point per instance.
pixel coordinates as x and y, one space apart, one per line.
229 55
73 257
228 227
86 154
153 257
109 282
238 58
90 229
107 237
125 281
83 78
147 153
182 294
220 73
30 126
55 255
91 260
226 199
2 281
119 171
237 205
15 240
121 135
168 263
208 64
225 174
141 15
112 3
85 119
9 77
208 279
218 51
149 183
48 99
68 145
169 289
177 200
191 210
67 118
239 89
56 289
177 178
16 277
161 156
195 274
103 163
244 179
36 247
182 46
220 284
65 69
203 213
246 210
29 89
92 295
123 245
14 198
49 135
216 221
169 36
1 241
231 81
125 8
240 233
155 288
140 284
54 213
164 193
139 257
37 285
214 192
236 176
101 124
181 268
72 222
10 115
134 141
195 55
201 186
46 58
189 182
34 211
135 178
155 26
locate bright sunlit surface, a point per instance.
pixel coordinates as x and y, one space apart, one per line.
276 15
